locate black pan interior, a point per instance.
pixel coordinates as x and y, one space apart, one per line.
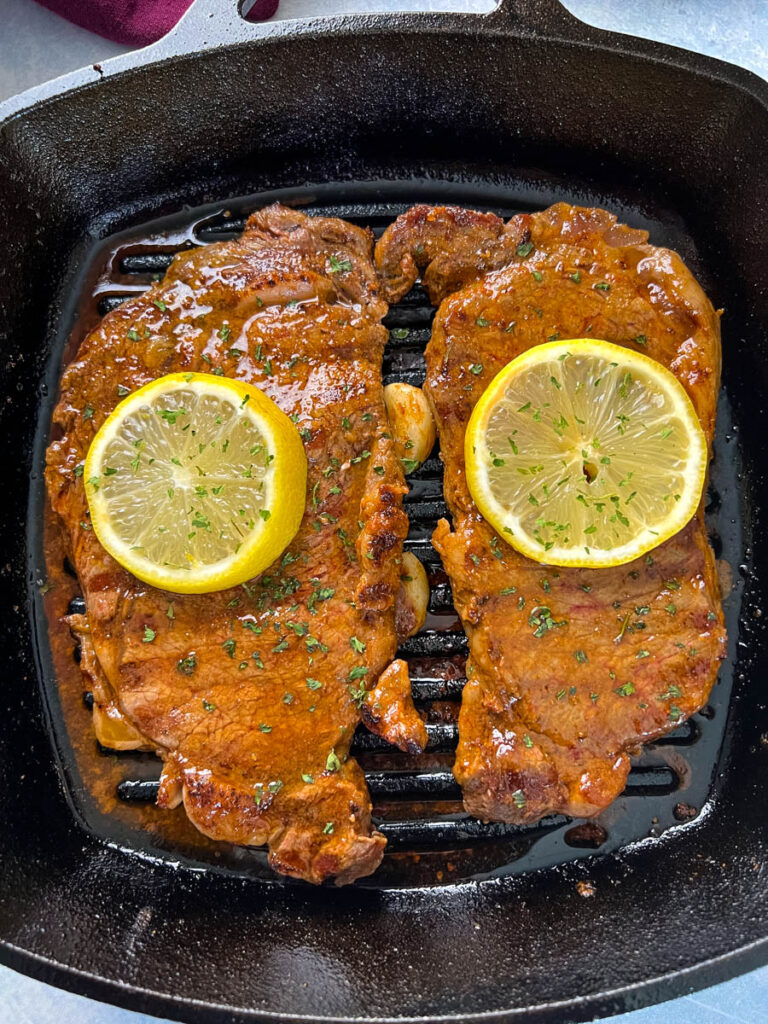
431 841
438 109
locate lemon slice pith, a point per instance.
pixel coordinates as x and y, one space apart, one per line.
583 453
196 483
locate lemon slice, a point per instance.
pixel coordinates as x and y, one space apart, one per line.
196 483
583 453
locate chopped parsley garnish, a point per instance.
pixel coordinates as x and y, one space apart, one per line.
149 635
171 415
672 692
320 594
339 266
541 621
186 666
201 522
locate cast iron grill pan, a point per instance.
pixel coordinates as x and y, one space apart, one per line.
501 111
417 804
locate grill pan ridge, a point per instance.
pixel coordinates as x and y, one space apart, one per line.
417 804
499 112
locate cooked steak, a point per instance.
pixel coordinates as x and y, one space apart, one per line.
251 696
570 670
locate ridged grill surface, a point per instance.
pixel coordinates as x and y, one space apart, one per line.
417 803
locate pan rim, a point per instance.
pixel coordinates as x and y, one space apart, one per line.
675 983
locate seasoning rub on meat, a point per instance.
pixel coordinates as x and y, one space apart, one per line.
251 695
570 670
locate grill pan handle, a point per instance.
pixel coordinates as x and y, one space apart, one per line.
543 17
209 23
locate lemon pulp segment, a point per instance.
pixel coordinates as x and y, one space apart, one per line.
583 453
195 482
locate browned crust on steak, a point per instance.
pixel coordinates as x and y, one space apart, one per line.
540 729
255 726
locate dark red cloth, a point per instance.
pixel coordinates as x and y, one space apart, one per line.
137 22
